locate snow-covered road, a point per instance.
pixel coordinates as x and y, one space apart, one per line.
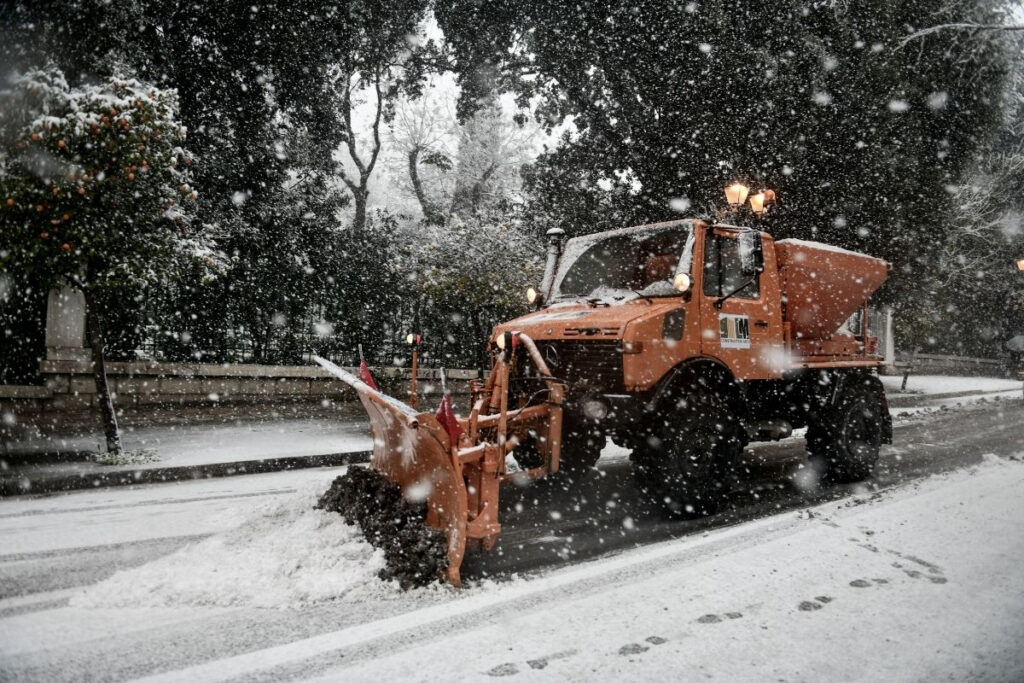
918 582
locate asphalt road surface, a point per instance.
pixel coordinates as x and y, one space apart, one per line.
548 524
544 527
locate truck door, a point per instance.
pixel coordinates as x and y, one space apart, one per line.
745 332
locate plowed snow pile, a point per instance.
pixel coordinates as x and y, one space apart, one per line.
282 554
415 554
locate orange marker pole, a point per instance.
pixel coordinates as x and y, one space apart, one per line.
414 340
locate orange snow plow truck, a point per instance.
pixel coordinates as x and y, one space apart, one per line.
682 341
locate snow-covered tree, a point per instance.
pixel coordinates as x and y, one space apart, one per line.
976 294
422 138
96 192
461 170
469 262
467 277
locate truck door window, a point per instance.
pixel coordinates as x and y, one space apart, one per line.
723 268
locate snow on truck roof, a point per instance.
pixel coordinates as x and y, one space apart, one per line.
594 236
821 246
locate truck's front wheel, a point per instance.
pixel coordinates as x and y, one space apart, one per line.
684 466
581 448
844 441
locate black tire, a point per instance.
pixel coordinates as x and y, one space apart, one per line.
685 466
526 453
843 441
581 448
582 444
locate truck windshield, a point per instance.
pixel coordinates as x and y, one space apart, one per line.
621 265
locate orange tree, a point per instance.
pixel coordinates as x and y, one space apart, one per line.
95 193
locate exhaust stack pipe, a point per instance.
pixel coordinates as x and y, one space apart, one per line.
555 237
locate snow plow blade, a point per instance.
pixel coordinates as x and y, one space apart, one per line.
456 467
413 450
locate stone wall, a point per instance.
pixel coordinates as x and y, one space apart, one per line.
69 385
938 364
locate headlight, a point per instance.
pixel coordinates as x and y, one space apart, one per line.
681 282
532 295
595 409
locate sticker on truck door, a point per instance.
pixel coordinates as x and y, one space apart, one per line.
734 331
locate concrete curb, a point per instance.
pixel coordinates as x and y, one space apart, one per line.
25 484
908 401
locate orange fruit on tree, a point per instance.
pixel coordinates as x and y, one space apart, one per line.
66 246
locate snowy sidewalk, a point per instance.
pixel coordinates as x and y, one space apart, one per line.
187 451
925 389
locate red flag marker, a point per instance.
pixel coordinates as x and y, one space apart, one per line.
364 374
446 416
364 371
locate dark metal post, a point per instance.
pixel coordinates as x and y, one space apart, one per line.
555 237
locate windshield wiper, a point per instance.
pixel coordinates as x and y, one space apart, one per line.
643 296
718 304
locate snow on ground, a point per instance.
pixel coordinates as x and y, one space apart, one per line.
926 406
80 519
281 553
945 384
919 583
202 444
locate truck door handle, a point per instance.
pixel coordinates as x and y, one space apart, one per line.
762 323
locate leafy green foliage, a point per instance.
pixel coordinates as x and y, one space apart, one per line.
94 183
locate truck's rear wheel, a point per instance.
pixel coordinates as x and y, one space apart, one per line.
684 467
844 441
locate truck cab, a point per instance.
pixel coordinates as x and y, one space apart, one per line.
638 321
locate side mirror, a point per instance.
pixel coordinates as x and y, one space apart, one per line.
751 256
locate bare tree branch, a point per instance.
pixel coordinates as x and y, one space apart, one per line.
962 26
376 125
350 136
